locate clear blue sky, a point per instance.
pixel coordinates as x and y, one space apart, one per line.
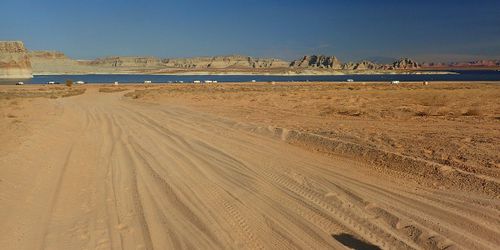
438 30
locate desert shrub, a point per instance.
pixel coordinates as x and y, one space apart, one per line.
472 112
422 113
111 90
69 83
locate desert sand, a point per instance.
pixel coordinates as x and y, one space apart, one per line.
250 166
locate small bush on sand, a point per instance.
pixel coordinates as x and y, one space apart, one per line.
422 113
472 112
112 90
69 83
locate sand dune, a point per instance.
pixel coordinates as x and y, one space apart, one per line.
107 172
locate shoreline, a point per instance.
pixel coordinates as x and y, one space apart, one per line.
198 73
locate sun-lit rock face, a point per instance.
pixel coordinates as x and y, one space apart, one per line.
216 62
14 60
47 55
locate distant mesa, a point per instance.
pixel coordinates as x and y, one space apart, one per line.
224 62
43 54
405 63
14 60
314 61
363 65
216 62
481 64
17 62
331 62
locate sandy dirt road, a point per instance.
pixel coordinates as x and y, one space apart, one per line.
110 173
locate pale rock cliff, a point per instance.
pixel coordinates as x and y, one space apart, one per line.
223 62
55 62
14 60
127 61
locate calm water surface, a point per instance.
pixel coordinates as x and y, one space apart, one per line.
471 75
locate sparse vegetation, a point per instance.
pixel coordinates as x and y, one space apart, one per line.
422 113
473 112
52 92
112 89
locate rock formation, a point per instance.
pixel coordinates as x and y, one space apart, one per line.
47 55
50 62
17 62
14 60
405 63
331 62
223 62
471 64
314 61
217 62
127 61
363 65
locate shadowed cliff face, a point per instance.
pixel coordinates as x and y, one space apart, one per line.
14 60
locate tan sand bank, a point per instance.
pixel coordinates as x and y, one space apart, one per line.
228 166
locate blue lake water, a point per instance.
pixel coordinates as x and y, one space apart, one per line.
470 75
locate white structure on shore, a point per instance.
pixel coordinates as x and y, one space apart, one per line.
147 82
196 81
350 80
208 81
395 82
116 83
20 83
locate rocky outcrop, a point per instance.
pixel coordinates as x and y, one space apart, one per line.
50 62
127 61
314 61
46 55
458 65
405 63
14 60
53 62
224 62
216 62
363 65
331 62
